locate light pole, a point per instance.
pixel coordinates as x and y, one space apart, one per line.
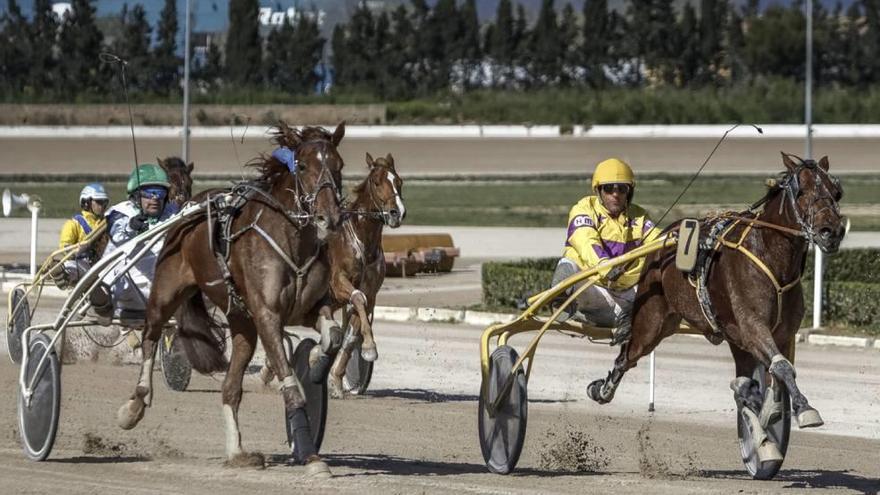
186 64
808 120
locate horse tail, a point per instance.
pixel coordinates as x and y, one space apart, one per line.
204 340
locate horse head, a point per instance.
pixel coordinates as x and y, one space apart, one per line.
814 195
317 174
384 188
180 178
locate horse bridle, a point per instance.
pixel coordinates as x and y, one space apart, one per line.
379 210
790 184
305 201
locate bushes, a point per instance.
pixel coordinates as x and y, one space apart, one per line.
851 299
505 283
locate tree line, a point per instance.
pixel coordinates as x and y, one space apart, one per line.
416 50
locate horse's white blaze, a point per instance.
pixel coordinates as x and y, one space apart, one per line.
396 195
233 437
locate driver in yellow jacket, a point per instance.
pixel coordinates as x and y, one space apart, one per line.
601 227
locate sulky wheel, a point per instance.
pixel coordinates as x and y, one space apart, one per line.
502 434
316 393
38 418
778 430
357 374
176 368
17 323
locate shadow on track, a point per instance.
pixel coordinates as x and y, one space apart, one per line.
802 478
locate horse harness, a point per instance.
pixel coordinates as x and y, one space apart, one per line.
222 210
717 238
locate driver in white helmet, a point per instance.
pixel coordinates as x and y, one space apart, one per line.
603 226
93 202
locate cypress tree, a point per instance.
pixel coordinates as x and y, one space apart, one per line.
44 29
133 45
166 63
243 44
597 36
690 60
471 52
568 46
735 47
711 29
80 43
401 56
545 49
14 50
502 43
339 57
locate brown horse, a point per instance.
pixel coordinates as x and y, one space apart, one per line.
180 178
357 262
272 279
756 263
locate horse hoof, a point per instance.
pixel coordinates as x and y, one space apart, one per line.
369 354
318 469
334 384
594 391
809 418
769 452
130 414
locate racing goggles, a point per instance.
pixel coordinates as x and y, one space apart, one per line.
616 187
154 193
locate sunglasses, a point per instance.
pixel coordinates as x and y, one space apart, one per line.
612 188
102 202
154 193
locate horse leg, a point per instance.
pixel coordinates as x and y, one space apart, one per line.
337 371
244 342
321 356
646 335
764 348
368 348
270 327
165 296
759 411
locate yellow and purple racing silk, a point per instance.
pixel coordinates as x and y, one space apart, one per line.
593 236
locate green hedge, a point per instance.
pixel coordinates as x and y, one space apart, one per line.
506 283
852 288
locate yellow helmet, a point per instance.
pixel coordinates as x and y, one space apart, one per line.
613 171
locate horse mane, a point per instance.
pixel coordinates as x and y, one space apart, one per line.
176 163
291 137
269 168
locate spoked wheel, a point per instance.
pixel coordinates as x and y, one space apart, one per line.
17 323
38 418
176 368
503 433
316 393
358 373
778 430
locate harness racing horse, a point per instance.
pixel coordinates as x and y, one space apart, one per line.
273 279
180 178
753 298
357 262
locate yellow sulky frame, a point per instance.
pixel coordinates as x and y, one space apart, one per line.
528 320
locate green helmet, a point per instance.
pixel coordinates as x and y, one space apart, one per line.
147 174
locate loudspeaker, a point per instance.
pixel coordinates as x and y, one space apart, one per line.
13 202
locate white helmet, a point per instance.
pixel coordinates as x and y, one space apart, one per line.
93 191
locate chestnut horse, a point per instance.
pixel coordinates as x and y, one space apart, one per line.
357 262
273 279
755 288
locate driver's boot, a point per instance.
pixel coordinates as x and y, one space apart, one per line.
102 304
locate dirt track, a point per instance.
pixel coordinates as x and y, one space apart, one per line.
448 156
416 430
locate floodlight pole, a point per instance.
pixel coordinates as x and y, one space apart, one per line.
186 64
808 120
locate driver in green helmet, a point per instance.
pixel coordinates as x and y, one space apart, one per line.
146 206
